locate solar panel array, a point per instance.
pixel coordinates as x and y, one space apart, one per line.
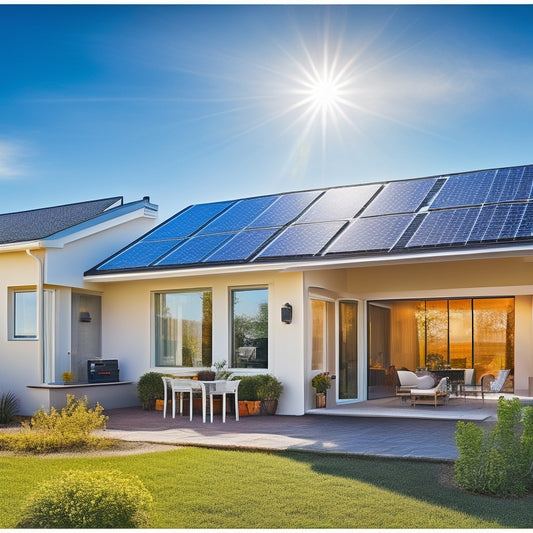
460 210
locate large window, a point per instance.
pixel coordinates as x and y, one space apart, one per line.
24 315
249 328
183 328
461 333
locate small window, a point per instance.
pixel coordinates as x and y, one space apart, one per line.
24 315
249 327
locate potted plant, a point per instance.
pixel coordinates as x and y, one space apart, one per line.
268 392
249 404
321 382
149 389
66 377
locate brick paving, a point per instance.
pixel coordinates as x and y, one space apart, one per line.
427 438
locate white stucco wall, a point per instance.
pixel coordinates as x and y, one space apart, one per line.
127 326
20 359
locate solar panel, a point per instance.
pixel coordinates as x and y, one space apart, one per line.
342 203
526 225
463 190
367 234
187 222
400 197
511 185
195 249
513 221
140 254
285 209
452 226
239 215
242 245
302 239
489 223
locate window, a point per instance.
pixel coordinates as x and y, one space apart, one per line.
347 372
249 328
183 329
323 338
460 333
24 315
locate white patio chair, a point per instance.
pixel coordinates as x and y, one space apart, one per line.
440 391
408 380
166 386
488 384
181 386
222 388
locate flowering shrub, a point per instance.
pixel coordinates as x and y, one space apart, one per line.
69 428
79 499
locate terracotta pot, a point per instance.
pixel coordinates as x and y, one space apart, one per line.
249 408
243 409
159 404
320 400
254 408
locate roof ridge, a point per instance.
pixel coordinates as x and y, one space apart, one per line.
73 204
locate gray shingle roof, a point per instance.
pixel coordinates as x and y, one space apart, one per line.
41 223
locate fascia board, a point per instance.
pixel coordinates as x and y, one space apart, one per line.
361 262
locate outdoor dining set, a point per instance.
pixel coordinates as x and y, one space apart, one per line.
178 387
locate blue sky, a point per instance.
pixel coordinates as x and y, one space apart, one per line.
191 104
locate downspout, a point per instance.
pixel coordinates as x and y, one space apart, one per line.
40 312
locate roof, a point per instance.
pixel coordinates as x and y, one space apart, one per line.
39 224
444 213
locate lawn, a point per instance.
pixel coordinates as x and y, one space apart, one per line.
204 488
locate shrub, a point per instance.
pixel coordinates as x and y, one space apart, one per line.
321 382
8 407
248 388
59 430
499 462
149 389
79 499
269 387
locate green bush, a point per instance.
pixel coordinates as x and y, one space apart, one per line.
79 499
67 429
149 389
8 407
269 387
248 387
498 462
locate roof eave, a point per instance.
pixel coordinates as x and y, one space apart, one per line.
319 264
21 246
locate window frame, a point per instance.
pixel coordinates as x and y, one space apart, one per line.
231 348
13 335
153 329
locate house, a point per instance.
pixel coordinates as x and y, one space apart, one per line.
51 317
358 281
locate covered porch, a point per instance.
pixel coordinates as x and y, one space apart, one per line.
457 408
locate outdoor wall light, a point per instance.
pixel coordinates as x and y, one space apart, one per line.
286 313
85 316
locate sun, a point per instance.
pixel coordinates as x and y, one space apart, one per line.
325 94
323 87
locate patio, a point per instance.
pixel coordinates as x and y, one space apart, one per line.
385 428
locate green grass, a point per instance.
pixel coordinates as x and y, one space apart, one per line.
203 488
